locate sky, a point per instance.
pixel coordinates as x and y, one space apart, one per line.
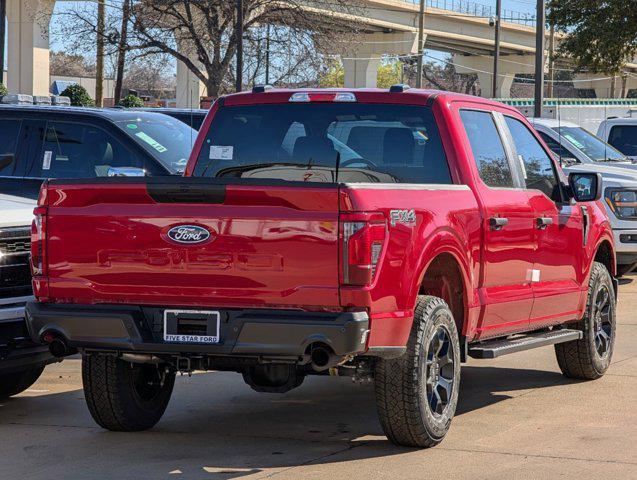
523 6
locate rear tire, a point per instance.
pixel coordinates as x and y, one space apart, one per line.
589 357
417 393
123 396
14 383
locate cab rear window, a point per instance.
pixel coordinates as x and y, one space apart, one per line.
344 142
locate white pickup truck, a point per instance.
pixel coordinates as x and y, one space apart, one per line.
21 361
621 133
580 151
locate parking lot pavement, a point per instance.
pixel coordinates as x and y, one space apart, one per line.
517 418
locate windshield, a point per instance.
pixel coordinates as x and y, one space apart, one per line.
165 138
592 146
624 138
325 142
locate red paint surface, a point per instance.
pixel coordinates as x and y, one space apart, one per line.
279 246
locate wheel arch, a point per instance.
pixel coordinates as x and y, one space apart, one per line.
445 272
604 253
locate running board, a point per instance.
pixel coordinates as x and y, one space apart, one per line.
519 343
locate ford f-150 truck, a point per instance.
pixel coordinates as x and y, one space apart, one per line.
383 235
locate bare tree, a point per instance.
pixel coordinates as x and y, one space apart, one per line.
148 76
71 65
443 77
202 35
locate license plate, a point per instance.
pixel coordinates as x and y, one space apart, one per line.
191 326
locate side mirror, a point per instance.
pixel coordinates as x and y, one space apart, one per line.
126 172
6 160
585 187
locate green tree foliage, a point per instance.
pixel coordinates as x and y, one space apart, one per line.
333 77
78 95
388 75
131 101
602 34
3 90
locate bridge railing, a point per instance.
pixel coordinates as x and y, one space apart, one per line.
468 7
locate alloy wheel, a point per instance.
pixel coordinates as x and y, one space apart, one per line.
440 371
602 321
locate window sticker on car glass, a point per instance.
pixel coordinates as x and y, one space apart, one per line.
152 142
574 141
132 126
46 161
220 152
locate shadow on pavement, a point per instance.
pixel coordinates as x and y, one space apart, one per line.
216 427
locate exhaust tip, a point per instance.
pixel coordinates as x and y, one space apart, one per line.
57 346
322 358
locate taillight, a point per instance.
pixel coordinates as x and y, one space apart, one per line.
38 242
363 239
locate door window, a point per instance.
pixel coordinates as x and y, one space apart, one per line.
487 148
73 150
536 164
566 156
9 132
624 139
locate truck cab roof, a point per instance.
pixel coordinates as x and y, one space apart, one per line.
367 95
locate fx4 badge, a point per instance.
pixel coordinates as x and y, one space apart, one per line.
406 217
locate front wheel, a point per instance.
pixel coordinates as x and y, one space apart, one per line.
123 396
17 382
589 357
417 393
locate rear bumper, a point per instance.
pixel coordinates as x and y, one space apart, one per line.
258 332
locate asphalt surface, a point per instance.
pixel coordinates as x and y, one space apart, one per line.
518 417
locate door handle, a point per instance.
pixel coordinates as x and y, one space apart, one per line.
496 223
543 222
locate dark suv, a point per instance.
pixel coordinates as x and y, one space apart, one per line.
192 117
40 142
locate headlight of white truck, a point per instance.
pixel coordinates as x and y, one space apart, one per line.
622 202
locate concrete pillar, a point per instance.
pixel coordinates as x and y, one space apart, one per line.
361 72
503 84
189 88
28 46
482 66
361 67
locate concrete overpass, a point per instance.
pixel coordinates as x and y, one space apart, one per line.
390 26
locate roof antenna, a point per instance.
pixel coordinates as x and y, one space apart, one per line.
559 128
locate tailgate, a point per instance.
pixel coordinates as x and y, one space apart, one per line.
187 241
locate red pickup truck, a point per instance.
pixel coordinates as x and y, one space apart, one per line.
383 235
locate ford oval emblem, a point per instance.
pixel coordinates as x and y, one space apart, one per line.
188 234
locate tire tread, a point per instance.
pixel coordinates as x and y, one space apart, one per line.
575 358
397 385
